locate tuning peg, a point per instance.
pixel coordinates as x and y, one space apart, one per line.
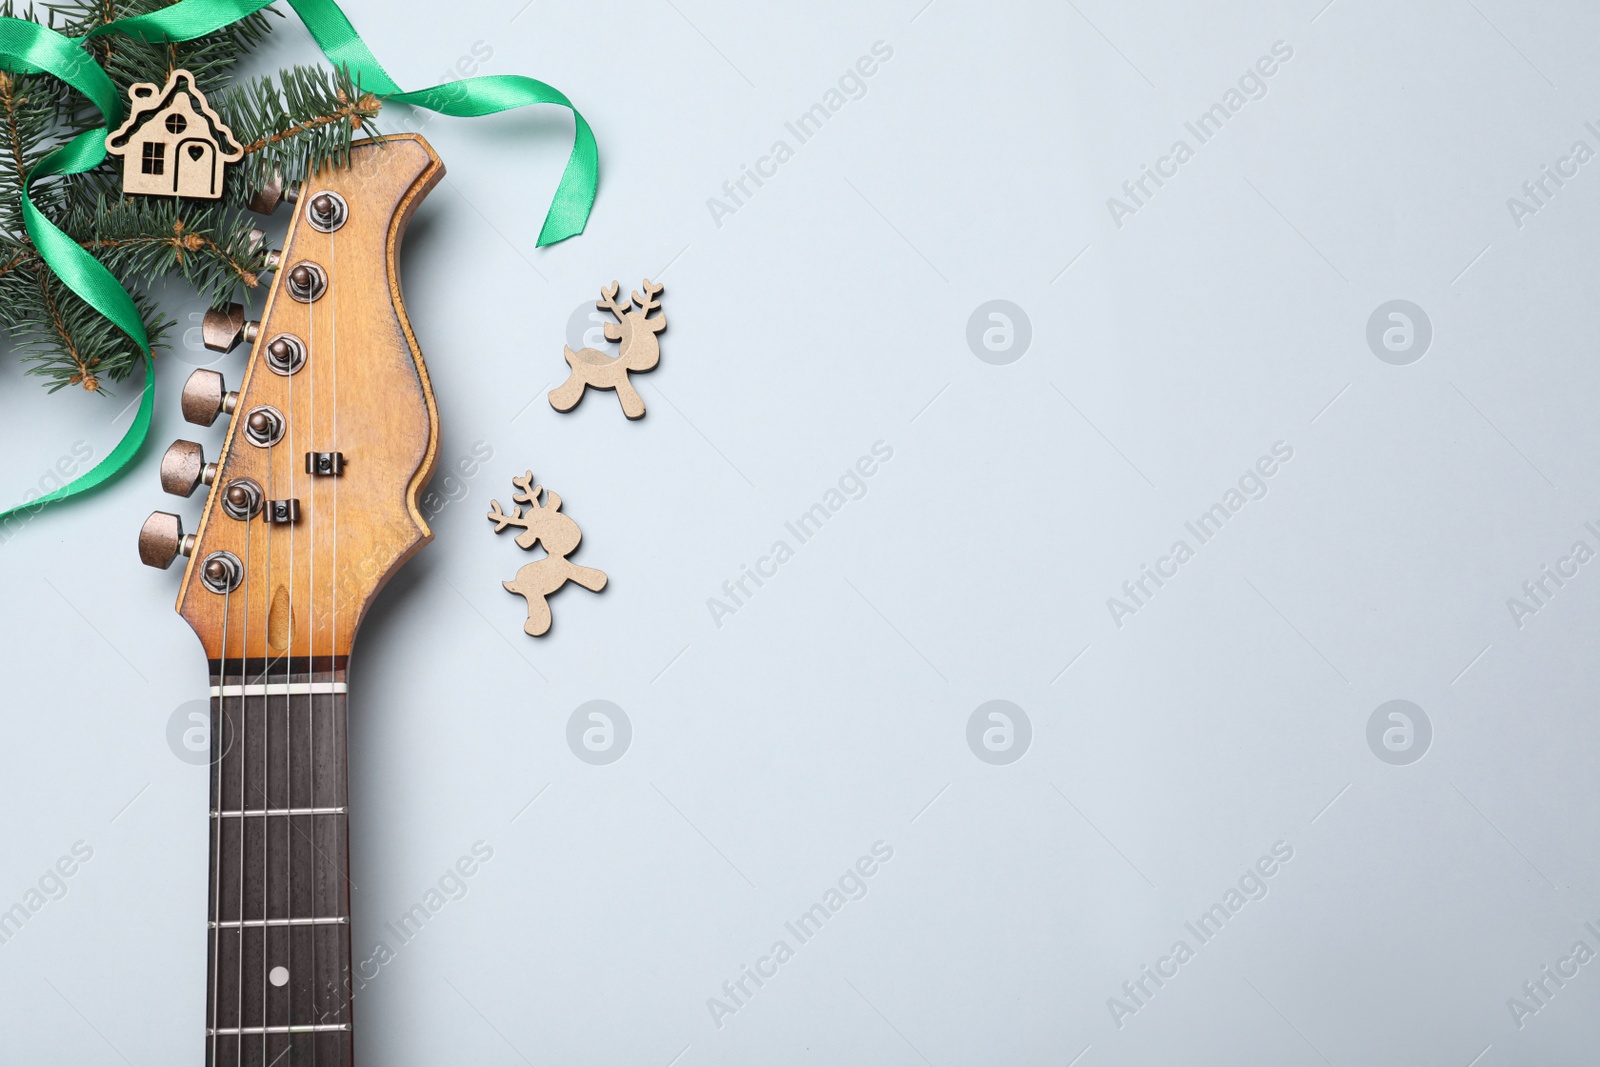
162 540
205 396
266 199
274 256
184 469
222 329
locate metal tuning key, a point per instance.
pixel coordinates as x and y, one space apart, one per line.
222 329
184 469
265 200
205 396
273 256
162 540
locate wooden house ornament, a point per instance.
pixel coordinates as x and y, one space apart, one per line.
172 143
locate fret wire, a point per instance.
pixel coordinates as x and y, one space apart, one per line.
278 689
257 924
281 811
304 1028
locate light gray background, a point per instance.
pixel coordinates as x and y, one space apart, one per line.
830 312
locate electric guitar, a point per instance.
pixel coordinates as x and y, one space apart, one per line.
312 506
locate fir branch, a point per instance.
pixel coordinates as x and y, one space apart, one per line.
30 114
63 338
211 246
16 260
128 60
297 126
67 341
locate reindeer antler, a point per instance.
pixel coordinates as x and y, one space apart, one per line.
536 518
610 302
501 520
653 291
529 492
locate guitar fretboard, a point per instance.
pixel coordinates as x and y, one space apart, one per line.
279 988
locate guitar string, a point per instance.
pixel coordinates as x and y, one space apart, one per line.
311 660
217 740
333 643
266 733
243 741
288 730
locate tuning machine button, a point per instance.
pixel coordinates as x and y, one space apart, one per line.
162 540
184 469
222 329
205 396
274 256
265 200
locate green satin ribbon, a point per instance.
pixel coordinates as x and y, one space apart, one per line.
29 48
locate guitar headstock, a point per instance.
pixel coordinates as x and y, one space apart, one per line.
313 500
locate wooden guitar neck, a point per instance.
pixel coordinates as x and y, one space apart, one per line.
279 988
312 508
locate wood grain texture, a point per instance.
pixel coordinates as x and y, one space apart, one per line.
364 392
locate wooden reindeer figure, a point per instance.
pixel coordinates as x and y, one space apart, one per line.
543 525
640 352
